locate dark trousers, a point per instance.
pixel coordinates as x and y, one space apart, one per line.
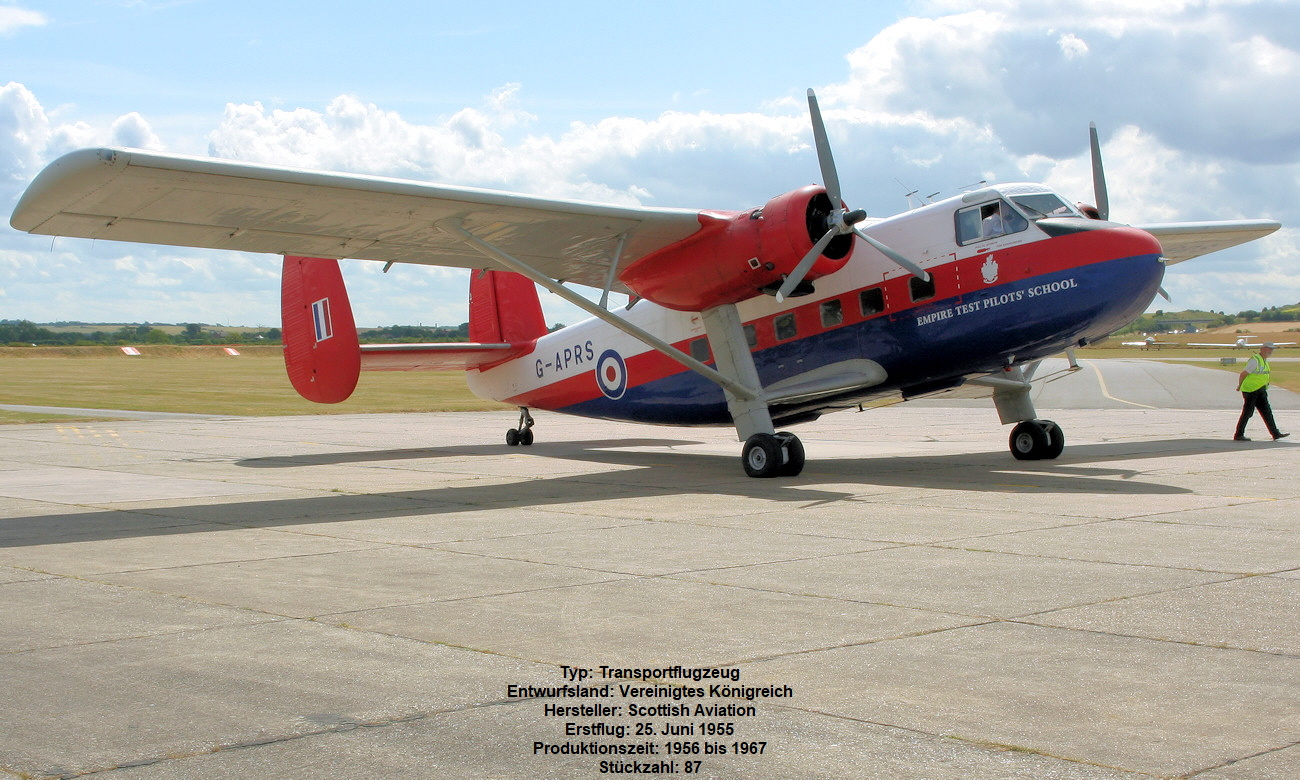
1256 400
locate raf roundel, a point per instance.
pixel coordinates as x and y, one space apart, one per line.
611 374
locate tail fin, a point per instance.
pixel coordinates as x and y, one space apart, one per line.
504 308
321 351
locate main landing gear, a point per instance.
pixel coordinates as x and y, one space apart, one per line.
524 433
773 455
1037 440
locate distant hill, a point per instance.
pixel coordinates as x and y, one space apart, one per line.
1168 322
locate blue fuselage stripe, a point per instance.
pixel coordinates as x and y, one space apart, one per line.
930 342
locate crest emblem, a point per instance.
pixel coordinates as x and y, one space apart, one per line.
989 270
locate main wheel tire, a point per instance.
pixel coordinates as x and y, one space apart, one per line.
1056 438
762 456
512 437
1029 440
526 437
794 455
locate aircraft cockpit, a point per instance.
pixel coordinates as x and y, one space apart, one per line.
1019 205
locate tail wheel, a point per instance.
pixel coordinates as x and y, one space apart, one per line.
524 433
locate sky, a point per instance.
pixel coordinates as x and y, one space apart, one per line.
672 104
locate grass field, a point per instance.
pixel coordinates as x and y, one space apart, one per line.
205 380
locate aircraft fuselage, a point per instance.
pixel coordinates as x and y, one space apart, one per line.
1035 289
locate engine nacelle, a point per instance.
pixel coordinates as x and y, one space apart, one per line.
737 255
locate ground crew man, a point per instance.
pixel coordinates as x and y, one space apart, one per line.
1253 384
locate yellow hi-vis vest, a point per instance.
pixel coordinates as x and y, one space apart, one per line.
1259 378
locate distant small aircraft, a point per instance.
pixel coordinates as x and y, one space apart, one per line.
1151 341
770 316
1244 343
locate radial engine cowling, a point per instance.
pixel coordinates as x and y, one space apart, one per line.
736 255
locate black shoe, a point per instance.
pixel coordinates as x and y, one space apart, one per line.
1239 437
1281 436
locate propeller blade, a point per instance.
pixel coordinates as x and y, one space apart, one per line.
1098 174
830 178
1164 294
915 269
800 271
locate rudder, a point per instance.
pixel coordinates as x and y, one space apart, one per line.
321 352
504 308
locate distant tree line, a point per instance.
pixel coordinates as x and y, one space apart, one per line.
22 333
414 334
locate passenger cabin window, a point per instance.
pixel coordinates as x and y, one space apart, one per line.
751 336
921 290
832 313
785 327
872 301
700 350
988 220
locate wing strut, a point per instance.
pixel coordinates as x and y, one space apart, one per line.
613 271
455 228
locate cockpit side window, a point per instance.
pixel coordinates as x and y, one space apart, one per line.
988 220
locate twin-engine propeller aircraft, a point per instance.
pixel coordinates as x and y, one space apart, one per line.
1244 343
1149 342
760 318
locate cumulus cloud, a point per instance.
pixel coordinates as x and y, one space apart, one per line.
1072 46
13 18
1203 76
24 129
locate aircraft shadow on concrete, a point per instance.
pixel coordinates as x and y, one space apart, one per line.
1084 470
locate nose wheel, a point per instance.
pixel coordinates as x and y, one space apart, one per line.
1037 440
773 455
522 435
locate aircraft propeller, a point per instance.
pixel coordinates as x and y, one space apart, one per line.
840 221
1099 186
1098 174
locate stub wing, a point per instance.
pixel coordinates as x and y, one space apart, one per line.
1185 240
144 197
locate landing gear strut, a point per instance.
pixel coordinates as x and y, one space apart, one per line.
773 455
524 433
1037 440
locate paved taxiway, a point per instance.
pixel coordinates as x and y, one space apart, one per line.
353 596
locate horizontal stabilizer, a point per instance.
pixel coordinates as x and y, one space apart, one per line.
437 357
1185 240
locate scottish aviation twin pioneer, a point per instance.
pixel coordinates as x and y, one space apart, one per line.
759 319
